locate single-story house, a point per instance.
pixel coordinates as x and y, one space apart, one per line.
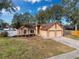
50 30
11 31
24 30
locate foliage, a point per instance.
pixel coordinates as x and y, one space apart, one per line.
3 24
22 19
54 14
8 5
4 34
1 21
71 11
70 6
42 17
75 17
16 22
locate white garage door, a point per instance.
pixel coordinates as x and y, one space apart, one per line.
58 33
55 34
51 34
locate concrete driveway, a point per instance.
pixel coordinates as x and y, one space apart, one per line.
69 42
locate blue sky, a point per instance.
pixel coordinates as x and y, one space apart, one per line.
31 6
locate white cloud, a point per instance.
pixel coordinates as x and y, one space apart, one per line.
18 8
3 11
42 8
32 1
39 9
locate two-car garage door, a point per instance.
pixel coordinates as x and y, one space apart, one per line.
56 33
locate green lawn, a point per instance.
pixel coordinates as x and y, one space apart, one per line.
30 48
73 37
77 58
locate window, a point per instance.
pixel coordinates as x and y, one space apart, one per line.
31 31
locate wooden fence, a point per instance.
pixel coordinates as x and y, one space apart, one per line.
76 33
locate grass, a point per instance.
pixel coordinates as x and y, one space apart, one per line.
77 58
73 37
30 48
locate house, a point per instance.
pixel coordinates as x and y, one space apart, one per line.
24 30
6 28
11 31
49 30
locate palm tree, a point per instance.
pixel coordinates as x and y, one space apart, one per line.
8 5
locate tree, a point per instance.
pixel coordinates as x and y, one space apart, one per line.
1 21
71 11
75 19
16 23
28 19
42 17
8 5
70 6
54 13
22 20
3 24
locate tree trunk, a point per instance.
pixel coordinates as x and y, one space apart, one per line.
75 27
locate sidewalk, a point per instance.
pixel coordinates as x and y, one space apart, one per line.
70 55
69 42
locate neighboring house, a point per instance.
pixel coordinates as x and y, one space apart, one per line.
6 29
1 30
49 30
11 31
24 30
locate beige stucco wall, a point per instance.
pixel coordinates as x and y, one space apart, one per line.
21 31
58 31
51 34
52 28
43 34
59 27
54 31
55 28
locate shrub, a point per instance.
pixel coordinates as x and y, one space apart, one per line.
4 34
75 33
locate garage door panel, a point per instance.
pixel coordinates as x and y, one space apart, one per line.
51 34
58 33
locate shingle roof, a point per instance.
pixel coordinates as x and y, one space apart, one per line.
49 25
